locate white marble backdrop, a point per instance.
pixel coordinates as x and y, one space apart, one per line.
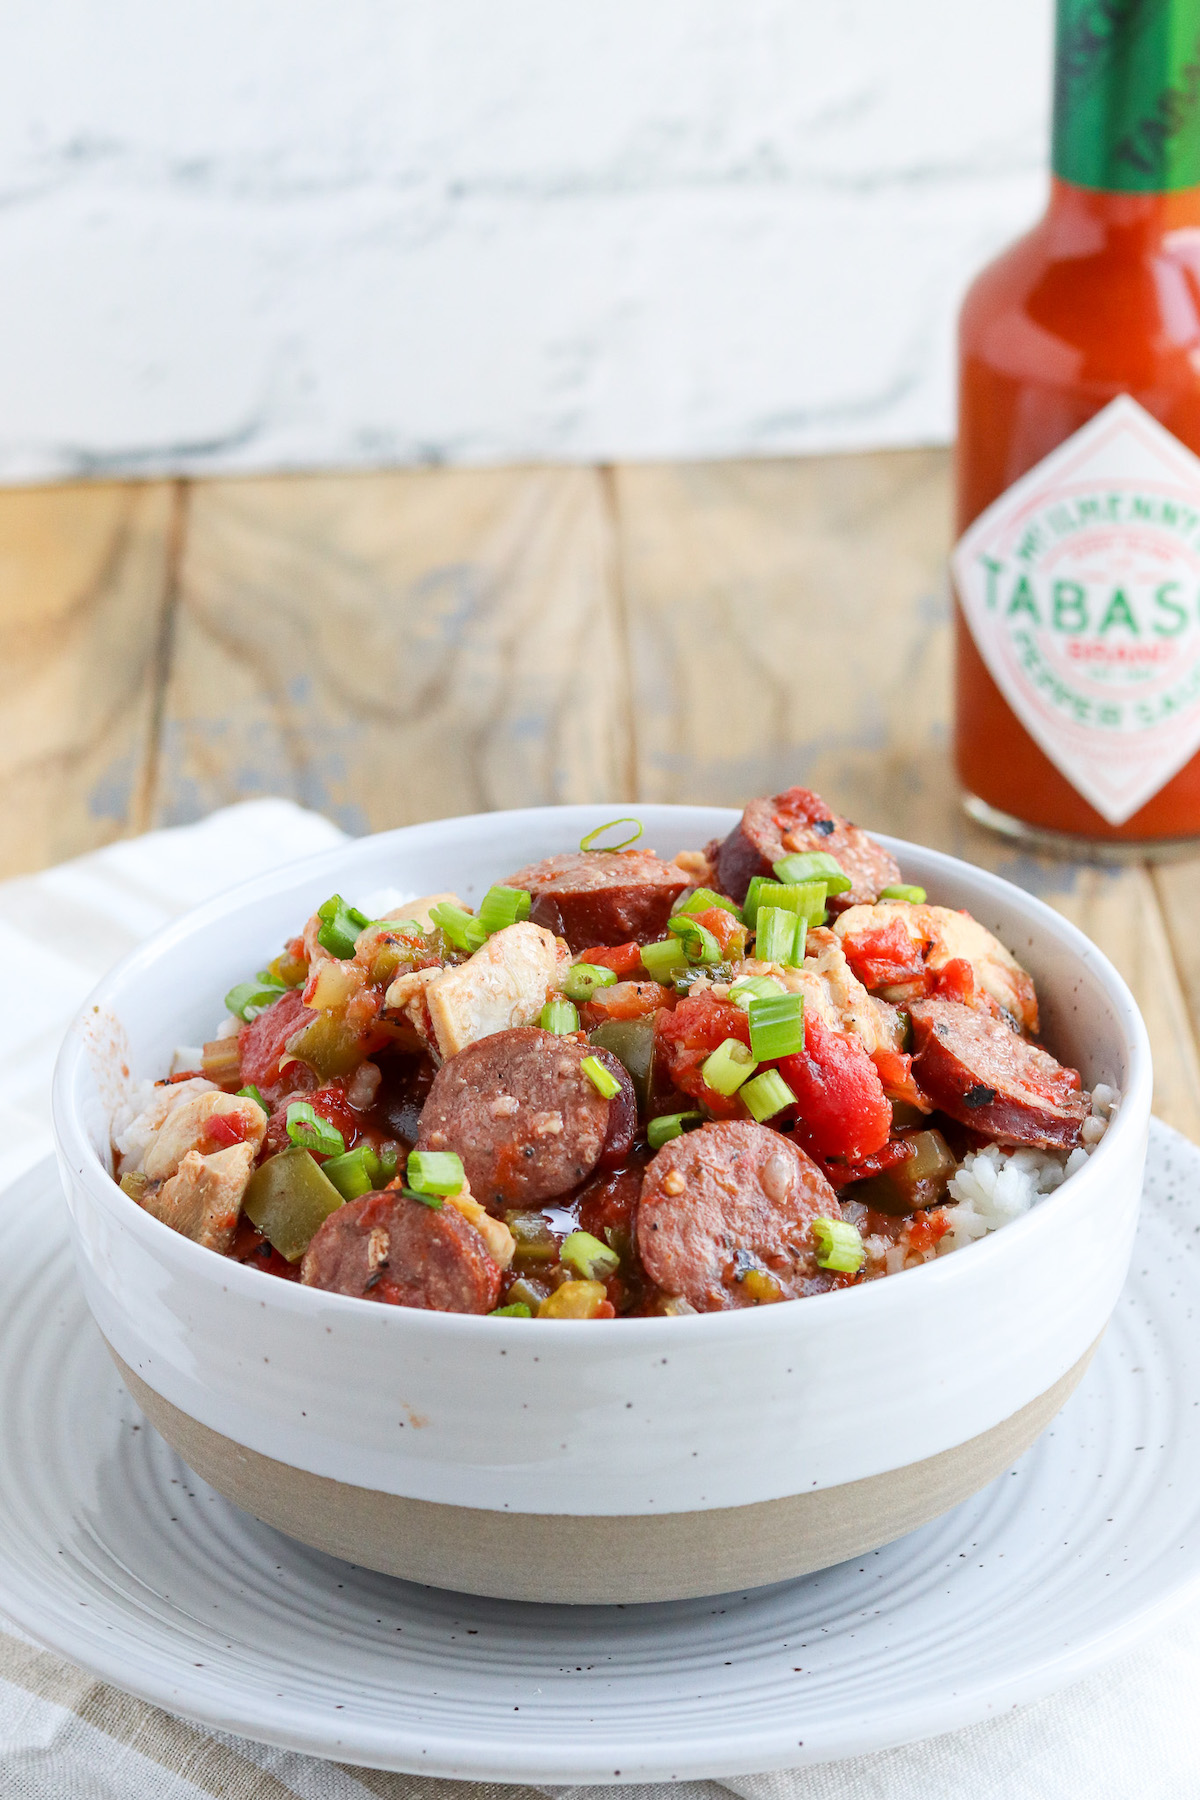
250 234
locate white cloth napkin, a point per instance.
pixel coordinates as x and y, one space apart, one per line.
1131 1732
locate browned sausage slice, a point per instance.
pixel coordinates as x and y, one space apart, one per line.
727 1202
392 1248
524 1116
773 828
983 1074
593 897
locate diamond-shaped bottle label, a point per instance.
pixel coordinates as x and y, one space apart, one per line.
1081 587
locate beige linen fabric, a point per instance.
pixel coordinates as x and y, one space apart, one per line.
1131 1731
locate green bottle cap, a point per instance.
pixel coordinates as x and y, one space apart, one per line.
1127 95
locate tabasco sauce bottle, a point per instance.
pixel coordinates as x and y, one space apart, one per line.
1077 571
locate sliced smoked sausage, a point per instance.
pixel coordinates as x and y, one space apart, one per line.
593 897
983 1074
727 1201
525 1117
773 828
392 1248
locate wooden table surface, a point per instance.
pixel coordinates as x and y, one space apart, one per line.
393 647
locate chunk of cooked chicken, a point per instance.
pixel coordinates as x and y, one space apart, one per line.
203 1198
505 983
904 952
194 1126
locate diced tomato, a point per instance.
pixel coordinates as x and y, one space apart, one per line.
884 955
729 931
927 1229
263 1042
895 1072
623 959
224 1129
624 1000
329 1102
686 1037
843 1113
955 980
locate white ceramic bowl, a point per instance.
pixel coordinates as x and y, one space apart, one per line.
638 1460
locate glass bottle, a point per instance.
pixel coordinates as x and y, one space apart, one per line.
1077 573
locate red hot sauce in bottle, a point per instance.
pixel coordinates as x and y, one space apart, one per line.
1077 572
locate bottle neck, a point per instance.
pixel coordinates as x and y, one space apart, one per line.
1127 95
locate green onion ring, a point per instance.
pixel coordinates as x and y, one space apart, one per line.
589 842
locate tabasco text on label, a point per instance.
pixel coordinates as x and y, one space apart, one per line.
1081 589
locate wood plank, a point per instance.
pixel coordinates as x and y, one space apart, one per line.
1178 887
788 623
84 582
1119 910
396 647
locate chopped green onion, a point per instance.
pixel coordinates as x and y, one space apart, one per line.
779 936
309 1131
701 898
589 842
591 1259
814 865
602 1079
340 926
699 944
839 1246
518 1310
433 1201
805 898
660 1131
250 1092
389 1159
434 1171
754 987
503 906
902 891
767 1095
582 980
355 1172
750 903
560 1017
729 1065
463 929
249 998
661 961
776 1026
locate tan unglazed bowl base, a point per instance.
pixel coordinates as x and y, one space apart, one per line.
598 1558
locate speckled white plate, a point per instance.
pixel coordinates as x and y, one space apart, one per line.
112 1554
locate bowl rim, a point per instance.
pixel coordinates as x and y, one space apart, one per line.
77 1153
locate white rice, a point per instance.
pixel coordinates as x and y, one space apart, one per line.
993 1186
143 1113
